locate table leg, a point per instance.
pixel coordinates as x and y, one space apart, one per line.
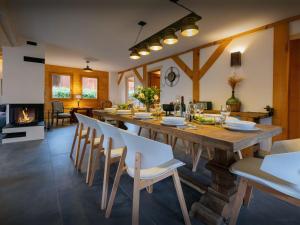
214 207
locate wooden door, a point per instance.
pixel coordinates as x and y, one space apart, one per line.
154 79
294 90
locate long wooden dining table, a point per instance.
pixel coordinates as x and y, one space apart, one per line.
215 205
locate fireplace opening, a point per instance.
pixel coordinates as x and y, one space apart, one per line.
26 114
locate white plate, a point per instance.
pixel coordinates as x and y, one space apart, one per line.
124 112
241 128
142 117
172 124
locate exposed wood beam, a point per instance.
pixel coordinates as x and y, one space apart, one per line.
196 81
213 58
145 76
182 66
281 78
271 25
138 75
120 78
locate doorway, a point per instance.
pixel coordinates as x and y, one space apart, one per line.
154 78
294 90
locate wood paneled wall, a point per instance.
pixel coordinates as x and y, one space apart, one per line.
76 86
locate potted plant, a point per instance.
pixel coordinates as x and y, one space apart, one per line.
233 102
148 96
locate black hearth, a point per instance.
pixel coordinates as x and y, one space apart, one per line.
26 114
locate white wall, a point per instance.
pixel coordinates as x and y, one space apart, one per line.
23 82
256 90
295 27
114 92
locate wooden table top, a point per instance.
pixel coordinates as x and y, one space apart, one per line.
208 135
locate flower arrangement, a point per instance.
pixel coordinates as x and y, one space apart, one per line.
234 80
147 96
233 102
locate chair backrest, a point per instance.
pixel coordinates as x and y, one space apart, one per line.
112 132
285 166
286 146
79 117
132 128
153 153
107 104
92 124
57 107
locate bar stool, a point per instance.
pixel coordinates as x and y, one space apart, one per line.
147 162
267 175
113 149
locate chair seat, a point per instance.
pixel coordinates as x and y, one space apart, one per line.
286 146
158 170
117 152
64 115
250 169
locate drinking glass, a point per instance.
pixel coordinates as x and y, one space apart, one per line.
201 108
225 112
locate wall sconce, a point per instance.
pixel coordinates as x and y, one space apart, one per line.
236 59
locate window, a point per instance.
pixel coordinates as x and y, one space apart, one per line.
89 87
61 86
130 88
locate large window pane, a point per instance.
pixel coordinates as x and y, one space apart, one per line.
61 86
89 87
130 89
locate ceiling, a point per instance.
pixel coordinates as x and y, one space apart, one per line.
103 30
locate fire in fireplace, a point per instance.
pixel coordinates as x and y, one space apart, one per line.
26 114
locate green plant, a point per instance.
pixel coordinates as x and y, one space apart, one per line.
89 93
147 96
61 92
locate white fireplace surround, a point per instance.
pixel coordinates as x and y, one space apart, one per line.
23 83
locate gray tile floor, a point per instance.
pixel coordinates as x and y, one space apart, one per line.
38 185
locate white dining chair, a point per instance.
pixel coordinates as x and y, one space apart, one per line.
95 140
83 132
147 162
113 148
132 128
276 174
286 146
79 134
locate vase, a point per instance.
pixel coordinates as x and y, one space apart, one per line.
147 107
234 103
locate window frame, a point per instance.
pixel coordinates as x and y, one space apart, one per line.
126 86
81 86
51 85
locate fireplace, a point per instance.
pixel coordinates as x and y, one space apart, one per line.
26 114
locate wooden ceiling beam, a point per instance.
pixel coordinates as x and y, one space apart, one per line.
265 27
213 58
183 66
138 75
120 78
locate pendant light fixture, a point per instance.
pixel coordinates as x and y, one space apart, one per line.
87 68
155 44
144 50
189 28
186 26
136 54
170 38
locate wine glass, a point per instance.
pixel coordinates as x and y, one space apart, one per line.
201 108
225 112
